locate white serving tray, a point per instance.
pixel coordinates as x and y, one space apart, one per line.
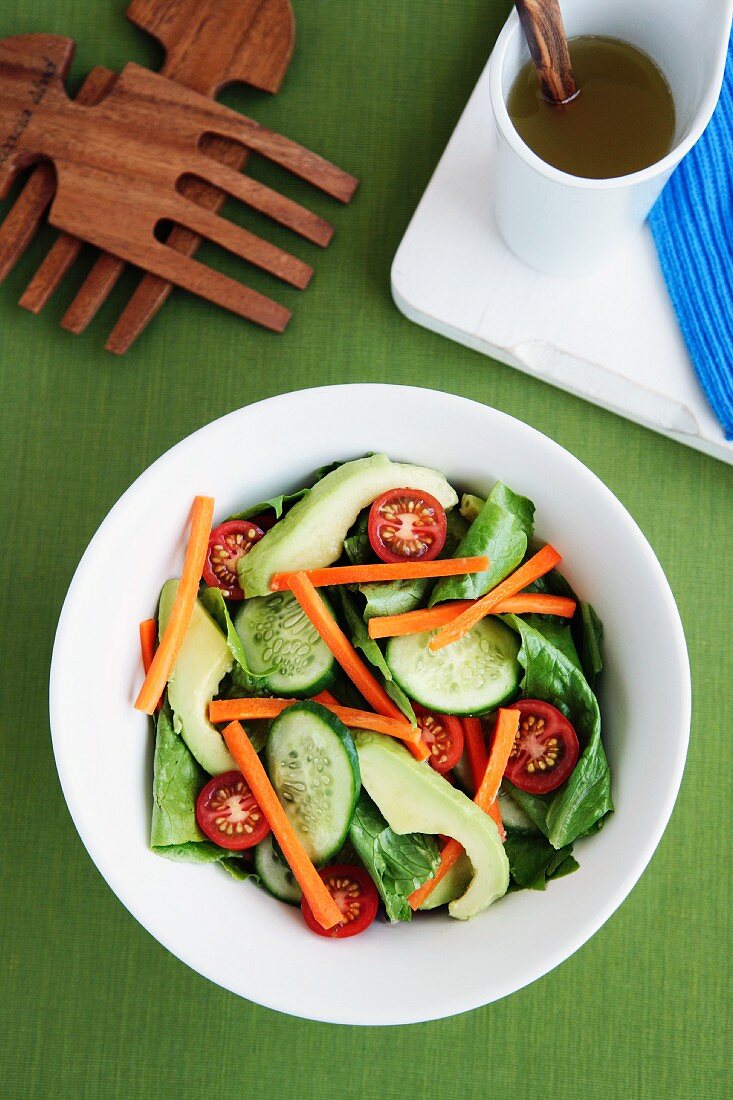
611 338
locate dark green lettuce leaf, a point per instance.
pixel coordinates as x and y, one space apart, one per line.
533 861
590 645
587 628
361 640
177 780
394 597
357 546
276 504
500 531
585 798
397 864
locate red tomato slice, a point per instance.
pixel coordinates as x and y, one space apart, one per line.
356 896
443 735
545 749
406 525
229 814
228 543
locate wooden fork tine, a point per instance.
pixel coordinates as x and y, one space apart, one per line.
288 154
59 260
267 201
241 242
196 277
25 216
93 292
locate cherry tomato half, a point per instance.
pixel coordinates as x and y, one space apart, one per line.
356 896
406 525
228 543
228 813
443 735
545 749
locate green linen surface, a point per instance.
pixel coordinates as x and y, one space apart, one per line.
90 1005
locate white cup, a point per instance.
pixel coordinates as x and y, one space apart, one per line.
565 225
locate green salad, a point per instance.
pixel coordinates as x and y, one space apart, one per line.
375 692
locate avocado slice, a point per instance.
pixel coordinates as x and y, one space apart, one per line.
415 799
312 533
455 883
203 661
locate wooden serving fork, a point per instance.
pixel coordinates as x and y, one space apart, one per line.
124 165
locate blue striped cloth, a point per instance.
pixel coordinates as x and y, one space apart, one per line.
692 223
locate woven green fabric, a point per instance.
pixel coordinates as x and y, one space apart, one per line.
90 1005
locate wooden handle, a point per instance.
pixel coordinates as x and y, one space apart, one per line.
212 43
545 33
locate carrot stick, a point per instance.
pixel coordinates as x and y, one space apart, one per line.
315 891
505 731
542 562
148 636
507 724
175 631
326 698
473 736
346 655
229 710
397 571
415 622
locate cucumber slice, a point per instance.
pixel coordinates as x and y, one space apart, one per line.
274 873
473 675
312 764
281 644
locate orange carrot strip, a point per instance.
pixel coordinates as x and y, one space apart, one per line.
346 655
175 631
507 724
315 891
326 698
505 731
542 562
397 571
229 710
148 637
415 622
473 736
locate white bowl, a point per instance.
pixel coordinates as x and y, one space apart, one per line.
232 932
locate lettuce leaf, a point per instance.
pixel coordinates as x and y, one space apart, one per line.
397 864
580 804
276 504
587 628
500 531
177 780
533 861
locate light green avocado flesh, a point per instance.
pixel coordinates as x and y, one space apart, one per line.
312 534
202 663
452 886
415 799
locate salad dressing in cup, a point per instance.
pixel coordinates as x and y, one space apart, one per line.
566 224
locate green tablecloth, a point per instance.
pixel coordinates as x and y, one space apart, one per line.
90 1005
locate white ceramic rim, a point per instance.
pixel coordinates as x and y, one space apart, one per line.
453 1003
511 28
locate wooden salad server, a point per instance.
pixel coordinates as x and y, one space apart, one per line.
121 166
208 43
